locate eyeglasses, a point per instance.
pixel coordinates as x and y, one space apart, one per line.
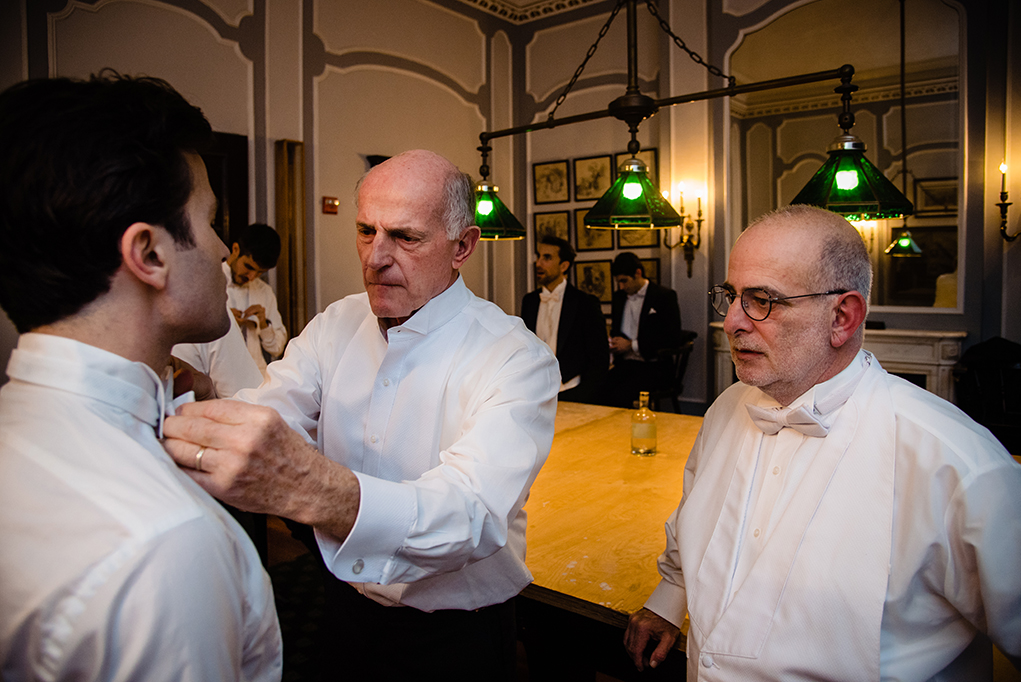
756 303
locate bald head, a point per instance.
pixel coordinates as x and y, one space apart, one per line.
830 251
444 190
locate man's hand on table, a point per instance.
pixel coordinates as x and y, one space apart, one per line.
645 627
253 460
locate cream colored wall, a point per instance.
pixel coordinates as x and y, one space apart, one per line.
378 108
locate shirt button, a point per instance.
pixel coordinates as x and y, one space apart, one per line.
357 567
756 533
372 439
707 661
386 382
776 470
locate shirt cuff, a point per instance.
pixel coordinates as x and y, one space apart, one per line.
386 514
267 334
668 601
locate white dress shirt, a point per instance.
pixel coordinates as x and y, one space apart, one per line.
273 337
114 565
226 361
947 571
445 420
547 323
629 321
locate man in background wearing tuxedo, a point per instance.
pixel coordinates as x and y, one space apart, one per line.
569 321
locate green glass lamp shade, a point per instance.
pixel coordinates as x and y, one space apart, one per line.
632 203
493 217
850 185
903 246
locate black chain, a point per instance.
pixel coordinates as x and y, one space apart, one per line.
591 51
665 26
680 43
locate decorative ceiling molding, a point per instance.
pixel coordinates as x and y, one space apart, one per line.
740 109
523 11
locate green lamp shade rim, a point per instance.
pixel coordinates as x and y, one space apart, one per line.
903 246
499 223
873 197
648 210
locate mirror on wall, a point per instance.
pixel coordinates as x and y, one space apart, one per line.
779 138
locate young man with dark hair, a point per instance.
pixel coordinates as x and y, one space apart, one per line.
569 321
114 565
250 298
645 320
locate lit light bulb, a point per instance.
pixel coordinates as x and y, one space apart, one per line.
485 207
632 190
847 180
904 242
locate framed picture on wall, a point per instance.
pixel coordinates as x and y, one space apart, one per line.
649 157
553 223
549 181
593 277
651 268
936 197
590 240
593 175
630 239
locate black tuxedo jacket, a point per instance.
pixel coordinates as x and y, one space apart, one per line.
659 325
581 335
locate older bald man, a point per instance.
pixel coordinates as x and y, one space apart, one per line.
837 522
406 425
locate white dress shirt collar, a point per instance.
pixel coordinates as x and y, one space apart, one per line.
76 367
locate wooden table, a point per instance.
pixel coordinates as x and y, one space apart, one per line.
596 512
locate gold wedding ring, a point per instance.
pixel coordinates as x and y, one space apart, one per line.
198 459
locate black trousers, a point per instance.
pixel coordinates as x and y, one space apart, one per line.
368 641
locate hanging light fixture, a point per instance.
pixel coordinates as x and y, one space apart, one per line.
632 202
492 216
848 183
623 206
903 246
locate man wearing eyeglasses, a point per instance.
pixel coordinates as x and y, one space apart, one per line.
837 522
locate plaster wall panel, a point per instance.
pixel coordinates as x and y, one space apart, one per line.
283 71
795 136
759 143
792 182
453 44
506 286
555 53
232 11
937 122
157 40
361 112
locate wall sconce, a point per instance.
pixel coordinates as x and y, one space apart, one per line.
1004 204
690 230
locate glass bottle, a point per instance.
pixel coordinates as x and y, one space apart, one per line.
643 428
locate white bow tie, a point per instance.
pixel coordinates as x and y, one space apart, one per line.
549 296
802 419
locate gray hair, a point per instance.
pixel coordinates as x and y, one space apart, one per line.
458 204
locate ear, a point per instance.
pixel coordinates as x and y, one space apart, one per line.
564 267
848 315
466 246
143 253
235 253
